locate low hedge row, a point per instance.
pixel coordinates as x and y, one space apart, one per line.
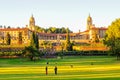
84 53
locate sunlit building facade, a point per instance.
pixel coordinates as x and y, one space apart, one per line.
82 37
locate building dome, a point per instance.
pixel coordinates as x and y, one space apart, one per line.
89 18
32 23
89 22
32 19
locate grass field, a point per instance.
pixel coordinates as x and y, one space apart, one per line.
84 68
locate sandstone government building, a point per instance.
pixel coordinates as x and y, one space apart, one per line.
81 37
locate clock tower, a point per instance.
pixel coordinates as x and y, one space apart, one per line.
89 22
32 23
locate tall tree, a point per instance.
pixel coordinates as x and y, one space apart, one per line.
20 38
32 40
112 38
32 50
37 41
68 45
67 36
95 38
8 39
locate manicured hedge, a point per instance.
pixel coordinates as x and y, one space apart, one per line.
11 53
84 53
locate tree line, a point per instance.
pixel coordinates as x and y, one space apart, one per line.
45 30
52 30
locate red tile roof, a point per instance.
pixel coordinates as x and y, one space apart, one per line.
13 29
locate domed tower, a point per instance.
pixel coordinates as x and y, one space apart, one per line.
89 22
32 23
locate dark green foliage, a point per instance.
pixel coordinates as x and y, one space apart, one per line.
20 38
34 41
117 48
60 54
8 39
30 52
112 38
52 30
56 30
37 41
83 53
68 44
39 29
68 47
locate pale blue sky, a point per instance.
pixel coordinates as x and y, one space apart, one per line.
59 13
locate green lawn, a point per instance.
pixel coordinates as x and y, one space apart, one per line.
84 68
